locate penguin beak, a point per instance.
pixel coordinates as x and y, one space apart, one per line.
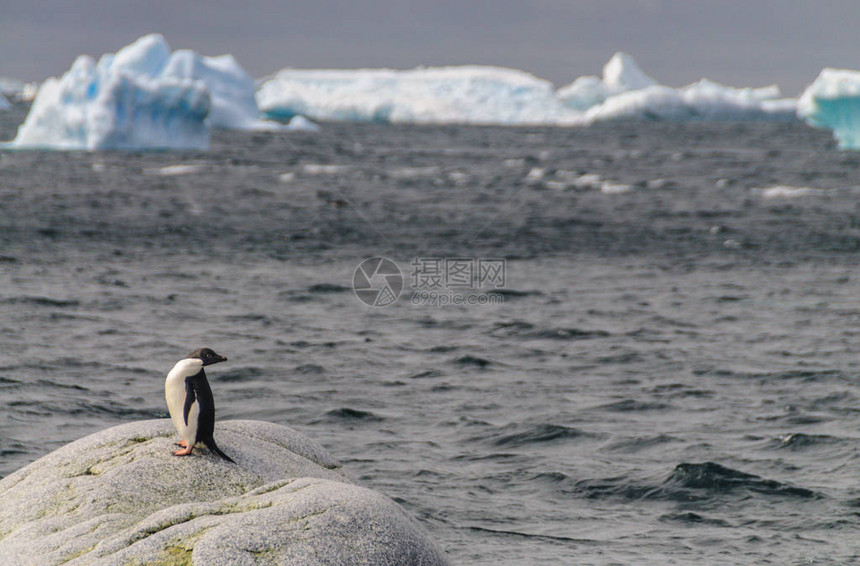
215 359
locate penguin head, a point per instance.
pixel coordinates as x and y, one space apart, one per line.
207 356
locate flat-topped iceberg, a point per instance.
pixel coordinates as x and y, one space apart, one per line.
833 101
493 95
441 95
142 97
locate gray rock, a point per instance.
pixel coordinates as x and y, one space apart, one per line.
120 497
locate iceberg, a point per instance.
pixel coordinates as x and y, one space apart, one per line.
9 86
121 102
583 93
142 97
833 101
4 104
626 93
13 89
434 95
620 74
704 100
494 95
301 124
231 90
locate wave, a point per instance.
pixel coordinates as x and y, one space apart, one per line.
800 442
690 518
327 288
633 445
518 435
715 479
42 301
527 330
688 482
631 405
239 374
78 408
348 414
776 376
551 538
426 374
515 294
474 361
309 369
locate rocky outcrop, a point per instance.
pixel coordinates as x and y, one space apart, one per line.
120 497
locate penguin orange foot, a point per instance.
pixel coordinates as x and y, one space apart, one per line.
184 452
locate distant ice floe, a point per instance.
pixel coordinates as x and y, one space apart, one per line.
786 191
142 97
322 169
13 89
610 188
564 180
177 170
494 95
833 101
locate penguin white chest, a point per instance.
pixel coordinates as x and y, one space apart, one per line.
174 394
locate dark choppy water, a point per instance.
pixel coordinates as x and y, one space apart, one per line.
671 379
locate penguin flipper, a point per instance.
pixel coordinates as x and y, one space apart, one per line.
210 444
190 397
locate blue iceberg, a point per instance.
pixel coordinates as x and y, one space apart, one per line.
231 90
833 101
121 102
142 97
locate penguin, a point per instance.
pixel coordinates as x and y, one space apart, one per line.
190 402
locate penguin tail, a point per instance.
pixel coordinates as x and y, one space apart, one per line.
210 444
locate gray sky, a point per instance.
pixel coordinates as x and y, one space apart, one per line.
736 42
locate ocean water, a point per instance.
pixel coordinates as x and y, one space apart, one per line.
668 374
